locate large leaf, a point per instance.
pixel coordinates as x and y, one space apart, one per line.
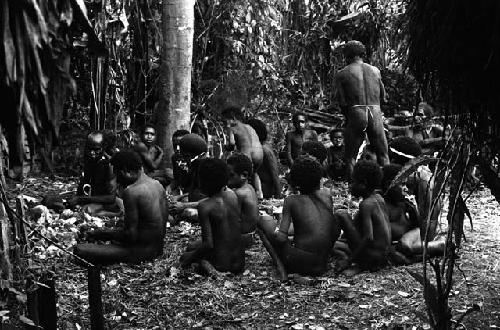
410 168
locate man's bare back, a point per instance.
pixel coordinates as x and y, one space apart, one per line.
249 208
361 85
247 142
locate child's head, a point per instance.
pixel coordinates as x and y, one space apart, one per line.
337 137
402 149
314 149
176 139
126 166
369 154
192 145
213 176
305 174
395 194
259 127
240 169
148 135
366 177
299 121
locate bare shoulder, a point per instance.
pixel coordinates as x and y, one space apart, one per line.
140 147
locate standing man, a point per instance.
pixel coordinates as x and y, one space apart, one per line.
297 137
359 91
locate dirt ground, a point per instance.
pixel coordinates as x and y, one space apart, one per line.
159 295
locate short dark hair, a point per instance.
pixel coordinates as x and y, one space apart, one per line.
259 127
240 163
403 145
369 173
334 131
354 48
213 175
179 133
306 174
296 115
147 126
316 149
126 160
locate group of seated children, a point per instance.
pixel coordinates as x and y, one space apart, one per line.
222 196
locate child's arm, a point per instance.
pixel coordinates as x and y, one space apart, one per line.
366 237
207 243
281 232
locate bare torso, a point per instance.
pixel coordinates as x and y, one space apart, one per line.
247 142
376 208
315 227
359 84
249 208
225 225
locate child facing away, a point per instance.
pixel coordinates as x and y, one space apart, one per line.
219 218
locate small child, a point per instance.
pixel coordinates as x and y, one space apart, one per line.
219 217
335 155
240 170
311 213
369 235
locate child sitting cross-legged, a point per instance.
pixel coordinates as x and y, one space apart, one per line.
219 218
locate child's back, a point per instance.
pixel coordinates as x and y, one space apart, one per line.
224 223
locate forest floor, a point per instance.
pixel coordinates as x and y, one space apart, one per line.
159 295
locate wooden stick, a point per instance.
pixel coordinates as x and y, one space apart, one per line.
5 233
21 230
274 255
95 298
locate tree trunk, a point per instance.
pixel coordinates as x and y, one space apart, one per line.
173 112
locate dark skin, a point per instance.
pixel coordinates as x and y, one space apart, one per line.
269 174
359 85
247 199
398 213
335 156
150 153
99 175
296 138
219 217
315 232
369 235
141 237
246 141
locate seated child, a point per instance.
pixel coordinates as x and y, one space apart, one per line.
174 186
246 141
141 238
219 217
240 169
192 150
369 235
401 151
97 189
315 228
335 165
268 171
151 155
402 213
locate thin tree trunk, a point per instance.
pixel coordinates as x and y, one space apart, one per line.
173 112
